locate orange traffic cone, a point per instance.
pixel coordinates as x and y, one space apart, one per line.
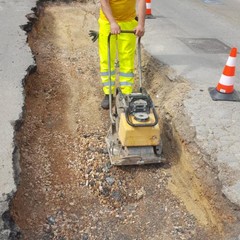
225 88
149 9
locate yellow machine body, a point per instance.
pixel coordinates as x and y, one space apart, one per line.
138 136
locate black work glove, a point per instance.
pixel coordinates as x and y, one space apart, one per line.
93 34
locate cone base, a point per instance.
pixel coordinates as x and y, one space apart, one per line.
149 16
218 96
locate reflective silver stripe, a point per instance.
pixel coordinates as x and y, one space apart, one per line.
125 84
122 74
106 73
107 84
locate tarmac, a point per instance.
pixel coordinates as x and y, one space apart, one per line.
15 58
193 38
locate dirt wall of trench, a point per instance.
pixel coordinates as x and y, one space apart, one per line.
194 179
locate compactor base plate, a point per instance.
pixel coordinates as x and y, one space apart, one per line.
120 155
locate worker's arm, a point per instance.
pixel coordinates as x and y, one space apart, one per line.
106 8
141 18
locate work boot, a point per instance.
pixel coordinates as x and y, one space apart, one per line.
105 102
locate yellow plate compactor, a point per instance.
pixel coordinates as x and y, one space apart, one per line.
134 135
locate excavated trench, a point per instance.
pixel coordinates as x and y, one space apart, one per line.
67 188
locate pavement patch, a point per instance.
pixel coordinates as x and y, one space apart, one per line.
206 45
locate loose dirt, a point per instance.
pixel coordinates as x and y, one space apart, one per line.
68 188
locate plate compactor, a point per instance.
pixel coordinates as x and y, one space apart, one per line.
134 134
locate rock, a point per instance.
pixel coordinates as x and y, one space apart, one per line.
105 191
51 220
140 193
116 195
110 180
85 236
31 16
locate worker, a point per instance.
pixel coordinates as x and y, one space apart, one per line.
117 15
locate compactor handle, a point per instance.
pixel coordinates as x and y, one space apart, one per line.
109 67
128 31
123 31
138 53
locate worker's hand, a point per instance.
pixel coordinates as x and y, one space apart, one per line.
115 28
139 31
93 34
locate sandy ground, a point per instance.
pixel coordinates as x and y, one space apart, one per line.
68 188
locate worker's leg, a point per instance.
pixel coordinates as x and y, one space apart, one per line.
104 30
126 55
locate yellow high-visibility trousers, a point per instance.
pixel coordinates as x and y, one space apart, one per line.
123 44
